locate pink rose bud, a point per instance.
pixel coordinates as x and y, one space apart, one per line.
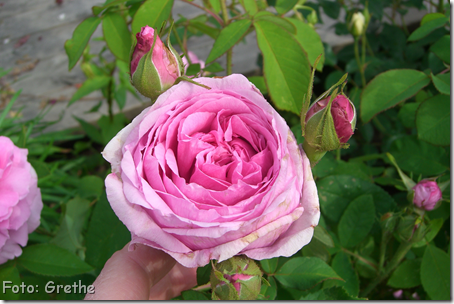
343 113
238 278
20 200
154 69
426 194
328 130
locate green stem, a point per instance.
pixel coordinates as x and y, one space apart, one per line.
440 6
110 93
360 258
338 154
358 62
225 16
397 258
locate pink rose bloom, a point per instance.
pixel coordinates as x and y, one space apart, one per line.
194 60
343 113
209 174
20 200
427 194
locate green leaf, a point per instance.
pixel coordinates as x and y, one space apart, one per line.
91 131
305 272
310 41
269 265
9 276
90 85
286 67
435 273
343 267
214 68
250 6
228 37
51 260
106 234
203 274
110 127
90 186
429 17
390 88
357 221
282 22
407 114
283 6
337 191
193 69
331 294
442 48
433 229
406 275
120 96
205 29
192 295
316 249
75 46
323 236
151 13
418 156
117 35
427 28
216 4
69 234
259 82
442 82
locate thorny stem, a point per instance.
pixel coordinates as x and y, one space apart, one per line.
225 16
215 16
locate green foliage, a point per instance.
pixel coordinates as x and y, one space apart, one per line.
76 45
51 260
435 273
303 273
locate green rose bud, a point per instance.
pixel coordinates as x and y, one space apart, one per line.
357 24
237 278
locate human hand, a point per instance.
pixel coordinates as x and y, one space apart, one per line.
142 274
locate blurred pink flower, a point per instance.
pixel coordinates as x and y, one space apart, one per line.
20 200
427 194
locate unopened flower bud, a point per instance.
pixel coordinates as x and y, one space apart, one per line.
324 135
312 18
357 24
154 68
237 278
426 194
411 228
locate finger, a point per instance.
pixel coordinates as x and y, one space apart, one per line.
129 275
178 279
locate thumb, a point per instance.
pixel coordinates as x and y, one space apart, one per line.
130 275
